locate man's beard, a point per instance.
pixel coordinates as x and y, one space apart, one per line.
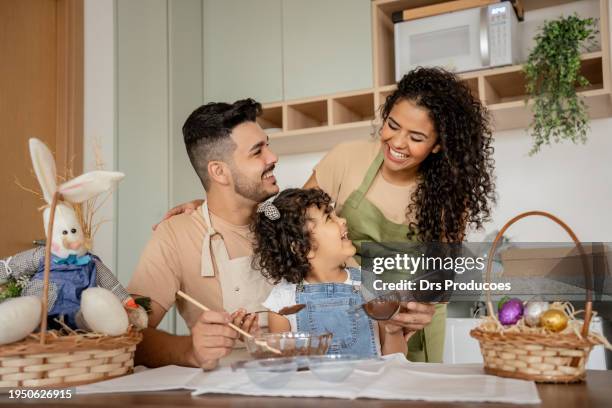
254 191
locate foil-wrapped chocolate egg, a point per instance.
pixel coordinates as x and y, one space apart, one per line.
510 312
554 320
532 313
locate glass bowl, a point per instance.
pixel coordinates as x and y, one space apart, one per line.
271 373
333 367
290 344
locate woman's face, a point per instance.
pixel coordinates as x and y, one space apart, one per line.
408 136
331 245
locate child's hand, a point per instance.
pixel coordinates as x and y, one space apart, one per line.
247 322
390 328
394 329
392 338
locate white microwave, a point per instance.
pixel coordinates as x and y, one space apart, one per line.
460 41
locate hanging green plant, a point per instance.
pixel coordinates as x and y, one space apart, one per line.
552 73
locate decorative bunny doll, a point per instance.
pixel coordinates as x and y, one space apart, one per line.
73 271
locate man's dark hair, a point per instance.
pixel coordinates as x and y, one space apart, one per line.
206 132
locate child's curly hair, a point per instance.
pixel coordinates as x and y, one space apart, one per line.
281 246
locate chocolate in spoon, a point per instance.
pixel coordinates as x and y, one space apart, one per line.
285 311
289 310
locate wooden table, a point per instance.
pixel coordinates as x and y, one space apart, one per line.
596 392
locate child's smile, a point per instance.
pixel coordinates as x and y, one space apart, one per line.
331 246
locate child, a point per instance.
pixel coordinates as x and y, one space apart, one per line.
303 246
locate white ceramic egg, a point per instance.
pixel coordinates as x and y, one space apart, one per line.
103 312
533 310
18 318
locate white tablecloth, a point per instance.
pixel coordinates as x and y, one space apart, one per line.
396 379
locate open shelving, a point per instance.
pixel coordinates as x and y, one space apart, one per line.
322 121
272 117
353 108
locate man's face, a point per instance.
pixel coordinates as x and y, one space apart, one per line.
253 163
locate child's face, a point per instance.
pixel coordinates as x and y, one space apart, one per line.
331 244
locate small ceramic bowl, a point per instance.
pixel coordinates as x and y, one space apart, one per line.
333 367
272 372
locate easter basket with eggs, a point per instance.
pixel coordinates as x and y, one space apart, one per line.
88 325
537 342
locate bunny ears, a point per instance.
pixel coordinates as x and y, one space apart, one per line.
77 190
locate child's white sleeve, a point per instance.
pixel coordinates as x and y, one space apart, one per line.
281 295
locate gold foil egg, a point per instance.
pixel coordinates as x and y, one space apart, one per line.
554 320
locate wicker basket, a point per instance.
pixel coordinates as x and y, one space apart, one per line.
49 359
67 360
541 357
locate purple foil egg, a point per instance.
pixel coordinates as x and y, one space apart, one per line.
511 312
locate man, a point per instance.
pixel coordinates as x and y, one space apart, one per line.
203 248
206 253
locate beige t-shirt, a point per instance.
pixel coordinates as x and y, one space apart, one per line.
171 261
342 170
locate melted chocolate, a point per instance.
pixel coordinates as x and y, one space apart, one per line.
381 309
289 310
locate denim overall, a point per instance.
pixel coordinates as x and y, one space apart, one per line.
71 276
366 222
326 310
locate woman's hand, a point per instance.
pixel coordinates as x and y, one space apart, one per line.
187 208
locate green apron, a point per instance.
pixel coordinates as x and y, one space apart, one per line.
366 223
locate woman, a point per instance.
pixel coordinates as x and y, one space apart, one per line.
427 176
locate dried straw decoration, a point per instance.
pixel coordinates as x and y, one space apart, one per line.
534 353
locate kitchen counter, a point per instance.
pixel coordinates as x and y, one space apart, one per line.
596 392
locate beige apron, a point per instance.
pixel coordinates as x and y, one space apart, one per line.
241 285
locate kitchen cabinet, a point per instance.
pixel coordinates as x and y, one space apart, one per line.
327 47
186 93
142 127
242 50
500 89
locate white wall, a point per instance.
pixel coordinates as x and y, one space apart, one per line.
570 181
100 110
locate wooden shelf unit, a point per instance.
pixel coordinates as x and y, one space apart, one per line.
508 84
354 108
271 117
321 121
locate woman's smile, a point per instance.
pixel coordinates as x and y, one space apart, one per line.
395 155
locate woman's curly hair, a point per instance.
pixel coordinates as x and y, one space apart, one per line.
281 246
456 184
